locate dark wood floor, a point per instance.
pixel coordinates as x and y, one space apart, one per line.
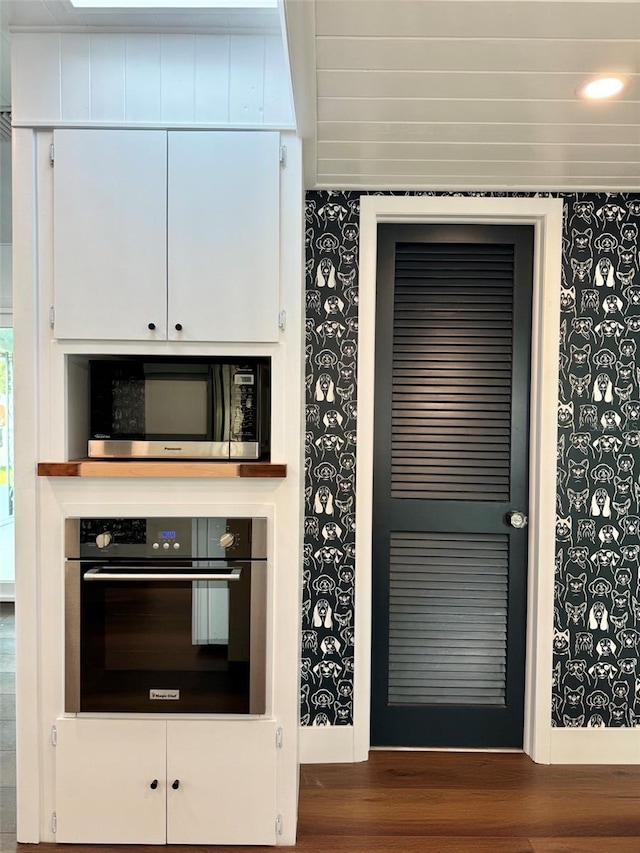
408 802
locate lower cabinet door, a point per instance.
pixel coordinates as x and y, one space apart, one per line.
221 782
105 774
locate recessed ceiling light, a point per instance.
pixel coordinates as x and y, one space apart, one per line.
599 88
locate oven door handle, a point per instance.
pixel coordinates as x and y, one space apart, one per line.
132 575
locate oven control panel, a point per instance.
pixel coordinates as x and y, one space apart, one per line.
177 537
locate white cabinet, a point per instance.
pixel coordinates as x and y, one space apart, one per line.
156 781
166 236
223 235
110 233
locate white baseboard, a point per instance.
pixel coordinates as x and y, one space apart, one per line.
327 745
595 746
7 592
335 745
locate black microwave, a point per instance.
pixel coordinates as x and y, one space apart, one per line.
163 407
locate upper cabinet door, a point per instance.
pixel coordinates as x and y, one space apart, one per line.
110 234
223 236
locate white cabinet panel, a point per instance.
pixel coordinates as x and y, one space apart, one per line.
157 70
75 74
142 77
223 236
227 782
212 79
110 234
177 80
104 769
108 63
225 772
119 225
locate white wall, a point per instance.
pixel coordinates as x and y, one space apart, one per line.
5 63
6 277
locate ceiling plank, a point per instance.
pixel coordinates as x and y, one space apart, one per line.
384 131
426 54
447 151
487 111
478 19
453 84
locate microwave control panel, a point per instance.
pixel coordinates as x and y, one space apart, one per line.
244 406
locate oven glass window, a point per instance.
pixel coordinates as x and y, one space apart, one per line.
166 646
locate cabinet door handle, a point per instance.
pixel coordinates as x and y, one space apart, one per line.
175 785
178 327
152 326
154 784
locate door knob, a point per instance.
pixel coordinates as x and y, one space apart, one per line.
154 784
178 327
152 326
175 785
517 519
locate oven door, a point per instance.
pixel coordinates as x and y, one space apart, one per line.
183 638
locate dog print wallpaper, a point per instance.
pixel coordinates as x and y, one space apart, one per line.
597 591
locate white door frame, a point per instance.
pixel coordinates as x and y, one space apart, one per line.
545 214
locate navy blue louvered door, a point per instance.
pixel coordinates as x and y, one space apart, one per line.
453 340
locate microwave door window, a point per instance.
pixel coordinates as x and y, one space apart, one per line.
176 408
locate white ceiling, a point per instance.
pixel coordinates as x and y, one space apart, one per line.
466 94
436 94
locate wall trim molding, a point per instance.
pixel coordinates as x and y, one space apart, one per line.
595 746
335 745
327 745
7 591
545 214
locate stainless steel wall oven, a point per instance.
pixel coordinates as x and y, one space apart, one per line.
166 615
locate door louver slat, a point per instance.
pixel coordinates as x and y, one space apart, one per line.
447 618
453 303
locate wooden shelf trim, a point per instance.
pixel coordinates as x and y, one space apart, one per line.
157 468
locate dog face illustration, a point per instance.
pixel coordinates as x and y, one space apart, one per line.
610 212
581 270
597 699
600 588
604 273
583 210
606 243
602 474
561 640
589 300
563 529
565 414
580 441
611 304
627 347
579 384
605 647
610 420
582 326
605 358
